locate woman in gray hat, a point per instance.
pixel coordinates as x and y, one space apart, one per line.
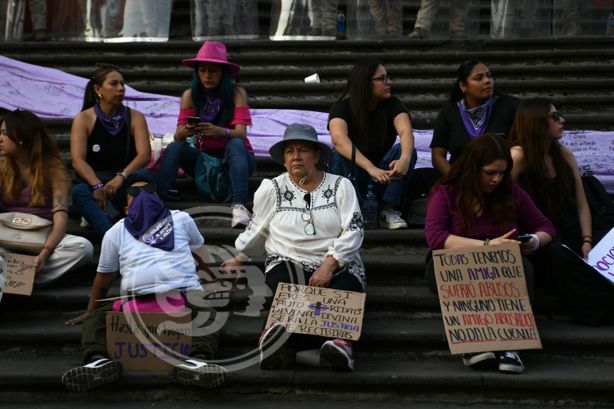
310 226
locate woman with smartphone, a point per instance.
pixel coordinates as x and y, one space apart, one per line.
213 119
476 204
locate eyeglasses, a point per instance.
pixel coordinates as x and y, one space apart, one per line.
556 115
134 191
310 228
384 78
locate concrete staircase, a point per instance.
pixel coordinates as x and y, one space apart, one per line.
403 357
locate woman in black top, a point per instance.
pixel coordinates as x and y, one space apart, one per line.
108 142
474 108
369 118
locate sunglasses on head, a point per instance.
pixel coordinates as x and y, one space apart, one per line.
134 191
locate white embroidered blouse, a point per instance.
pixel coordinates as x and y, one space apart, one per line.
280 228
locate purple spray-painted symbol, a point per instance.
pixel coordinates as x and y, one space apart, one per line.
318 307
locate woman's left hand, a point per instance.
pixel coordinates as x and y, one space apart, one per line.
399 168
110 189
321 277
212 130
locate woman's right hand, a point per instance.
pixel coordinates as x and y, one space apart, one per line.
505 238
230 265
100 198
379 175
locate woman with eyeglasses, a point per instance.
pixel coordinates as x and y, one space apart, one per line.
108 142
474 108
364 124
213 120
309 224
549 173
476 204
34 180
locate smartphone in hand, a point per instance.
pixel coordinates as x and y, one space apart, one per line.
193 120
523 238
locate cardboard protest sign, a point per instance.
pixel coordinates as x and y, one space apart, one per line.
19 275
484 300
601 257
141 341
318 311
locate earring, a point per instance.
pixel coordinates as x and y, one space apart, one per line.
99 96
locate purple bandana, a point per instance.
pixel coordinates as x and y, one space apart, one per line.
150 222
476 119
113 123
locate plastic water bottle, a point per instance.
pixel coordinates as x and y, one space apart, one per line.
610 27
3 274
369 208
341 26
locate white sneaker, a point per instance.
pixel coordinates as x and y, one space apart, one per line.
391 219
96 373
240 216
196 372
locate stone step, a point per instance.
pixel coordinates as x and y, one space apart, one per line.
434 380
385 299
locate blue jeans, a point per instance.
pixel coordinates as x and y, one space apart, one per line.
391 193
101 221
241 164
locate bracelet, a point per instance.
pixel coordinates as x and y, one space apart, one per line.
587 241
97 186
537 241
486 242
228 133
46 247
587 238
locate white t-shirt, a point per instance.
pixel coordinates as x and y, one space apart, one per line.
147 270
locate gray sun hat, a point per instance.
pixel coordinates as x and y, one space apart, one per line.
298 132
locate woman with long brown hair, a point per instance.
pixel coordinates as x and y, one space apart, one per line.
34 180
476 204
549 172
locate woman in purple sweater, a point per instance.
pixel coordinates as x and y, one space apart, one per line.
476 204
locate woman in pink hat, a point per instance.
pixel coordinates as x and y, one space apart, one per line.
214 114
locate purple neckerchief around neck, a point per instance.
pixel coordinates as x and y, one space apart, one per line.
113 123
211 106
150 222
476 119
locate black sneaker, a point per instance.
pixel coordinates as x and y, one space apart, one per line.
195 372
271 351
479 359
510 362
96 373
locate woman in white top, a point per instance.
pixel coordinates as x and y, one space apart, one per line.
309 224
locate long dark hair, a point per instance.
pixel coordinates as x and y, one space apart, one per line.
529 131
462 73
465 175
226 89
27 131
97 78
360 92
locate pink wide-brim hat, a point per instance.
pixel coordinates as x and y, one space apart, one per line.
213 52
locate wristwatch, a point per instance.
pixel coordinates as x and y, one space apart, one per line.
123 174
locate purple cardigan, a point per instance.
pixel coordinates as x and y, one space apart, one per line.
442 218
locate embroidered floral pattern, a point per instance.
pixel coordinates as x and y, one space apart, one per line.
357 223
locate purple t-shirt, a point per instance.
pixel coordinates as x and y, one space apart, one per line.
442 218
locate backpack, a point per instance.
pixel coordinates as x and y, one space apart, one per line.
212 178
601 204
